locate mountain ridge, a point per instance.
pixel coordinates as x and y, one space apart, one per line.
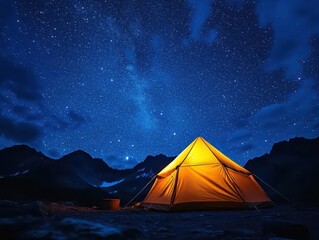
291 168
23 167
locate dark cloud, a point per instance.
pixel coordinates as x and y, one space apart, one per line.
34 117
19 131
27 113
269 116
18 109
293 23
56 123
240 135
76 117
72 121
6 9
245 147
17 84
289 116
19 81
6 15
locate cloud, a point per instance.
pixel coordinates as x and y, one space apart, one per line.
269 115
294 23
72 121
245 147
298 115
201 11
23 114
19 131
19 81
240 134
5 10
291 116
18 109
76 117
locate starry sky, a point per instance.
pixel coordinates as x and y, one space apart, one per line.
126 79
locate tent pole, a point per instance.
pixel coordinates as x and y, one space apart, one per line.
140 191
276 191
255 206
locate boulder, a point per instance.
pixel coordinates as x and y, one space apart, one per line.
10 209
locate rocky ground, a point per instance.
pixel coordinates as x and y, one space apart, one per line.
38 220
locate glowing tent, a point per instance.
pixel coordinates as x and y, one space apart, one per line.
201 177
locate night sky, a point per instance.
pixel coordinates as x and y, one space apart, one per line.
126 79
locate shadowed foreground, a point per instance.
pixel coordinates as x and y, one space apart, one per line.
54 221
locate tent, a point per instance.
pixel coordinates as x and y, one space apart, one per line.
201 178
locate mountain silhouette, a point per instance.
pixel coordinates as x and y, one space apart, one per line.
291 167
26 174
140 175
93 170
20 159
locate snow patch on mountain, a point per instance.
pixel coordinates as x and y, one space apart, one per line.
146 175
109 184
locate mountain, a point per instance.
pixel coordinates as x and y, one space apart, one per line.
92 170
141 174
74 177
26 174
291 167
20 159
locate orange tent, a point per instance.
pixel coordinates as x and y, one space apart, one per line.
201 177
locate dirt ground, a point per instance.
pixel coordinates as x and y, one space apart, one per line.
231 224
38 220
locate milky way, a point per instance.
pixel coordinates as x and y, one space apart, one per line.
126 79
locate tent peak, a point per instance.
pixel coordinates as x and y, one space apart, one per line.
200 137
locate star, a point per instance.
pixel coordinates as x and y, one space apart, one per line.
96 77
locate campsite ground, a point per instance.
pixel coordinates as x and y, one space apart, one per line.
70 222
240 224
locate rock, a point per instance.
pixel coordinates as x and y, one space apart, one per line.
78 228
285 230
10 209
22 227
34 208
29 227
7 203
68 203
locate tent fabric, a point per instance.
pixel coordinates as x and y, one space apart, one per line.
201 177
